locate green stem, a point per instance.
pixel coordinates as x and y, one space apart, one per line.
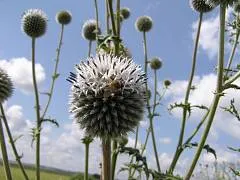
18 158
4 154
37 108
232 53
89 48
114 158
151 122
55 74
110 7
217 94
97 20
86 161
107 17
118 18
186 100
106 149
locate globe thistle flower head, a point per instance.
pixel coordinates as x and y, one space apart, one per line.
107 96
64 17
6 86
144 24
155 63
200 6
34 23
125 12
167 83
89 30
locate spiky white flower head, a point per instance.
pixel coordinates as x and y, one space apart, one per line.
108 95
6 86
34 22
200 6
64 17
89 30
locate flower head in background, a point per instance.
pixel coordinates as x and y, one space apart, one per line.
64 17
6 86
125 12
89 30
108 95
201 6
34 23
144 24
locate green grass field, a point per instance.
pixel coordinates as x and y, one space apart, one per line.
17 175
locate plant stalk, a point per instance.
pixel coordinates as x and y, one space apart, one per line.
110 7
18 158
89 48
6 165
106 149
37 108
217 95
114 158
86 161
55 74
186 100
107 17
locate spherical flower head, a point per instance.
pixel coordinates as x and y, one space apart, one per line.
34 23
64 17
155 63
125 12
167 83
6 86
200 6
144 24
107 96
89 30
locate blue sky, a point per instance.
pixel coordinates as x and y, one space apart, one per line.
171 39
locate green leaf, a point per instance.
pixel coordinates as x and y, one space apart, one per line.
234 149
17 138
53 121
55 76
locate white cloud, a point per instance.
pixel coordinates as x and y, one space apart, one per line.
208 41
203 95
165 140
20 71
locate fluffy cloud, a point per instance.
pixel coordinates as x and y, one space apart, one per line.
208 41
203 95
165 140
20 71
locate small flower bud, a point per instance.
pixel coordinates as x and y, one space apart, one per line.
125 12
89 30
34 23
6 86
144 24
63 17
200 6
156 63
167 83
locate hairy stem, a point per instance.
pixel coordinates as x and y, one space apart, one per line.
186 100
232 53
114 158
86 161
37 108
18 158
106 149
55 74
89 48
6 166
217 94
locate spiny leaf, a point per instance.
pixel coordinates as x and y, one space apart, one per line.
17 138
53 121
206 147
181 105
234 149
232 110
236 172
